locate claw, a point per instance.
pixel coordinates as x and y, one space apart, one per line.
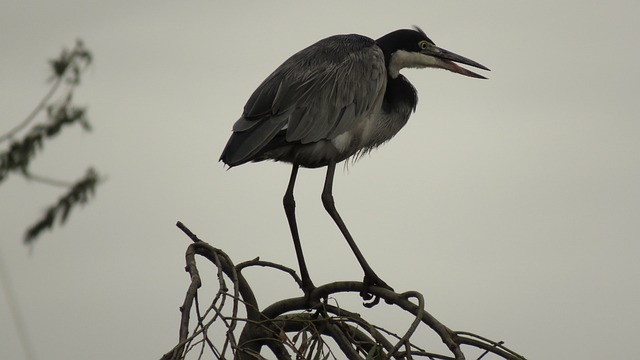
372 303
373 280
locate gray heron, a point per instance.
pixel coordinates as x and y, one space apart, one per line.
334 100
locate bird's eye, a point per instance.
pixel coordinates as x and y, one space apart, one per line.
423 44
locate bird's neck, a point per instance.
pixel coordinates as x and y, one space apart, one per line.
400 96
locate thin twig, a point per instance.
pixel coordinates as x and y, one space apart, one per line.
258 262
32 115
271 327
47 180
414 325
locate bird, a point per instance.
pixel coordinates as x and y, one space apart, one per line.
336 99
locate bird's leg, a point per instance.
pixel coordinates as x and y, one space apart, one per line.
370 277
290 209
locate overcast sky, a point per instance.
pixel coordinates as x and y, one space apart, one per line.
512 203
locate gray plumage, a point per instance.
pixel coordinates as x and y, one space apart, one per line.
326 100
337 98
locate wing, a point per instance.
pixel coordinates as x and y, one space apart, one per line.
318 93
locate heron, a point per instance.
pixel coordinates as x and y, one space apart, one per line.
335 100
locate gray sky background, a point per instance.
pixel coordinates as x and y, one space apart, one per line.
511 203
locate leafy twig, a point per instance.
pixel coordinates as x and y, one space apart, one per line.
78 195
67 66
20 153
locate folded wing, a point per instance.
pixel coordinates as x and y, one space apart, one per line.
318 93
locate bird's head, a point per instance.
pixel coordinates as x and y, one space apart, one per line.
413 49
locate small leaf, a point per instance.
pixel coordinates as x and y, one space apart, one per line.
78 194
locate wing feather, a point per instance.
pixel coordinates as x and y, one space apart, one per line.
318 93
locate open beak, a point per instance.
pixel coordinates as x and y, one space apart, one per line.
445 60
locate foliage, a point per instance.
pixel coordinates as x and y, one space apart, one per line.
20 153
78 194
27 139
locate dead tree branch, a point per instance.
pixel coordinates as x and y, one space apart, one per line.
234 326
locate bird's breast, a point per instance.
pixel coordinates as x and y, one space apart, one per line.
372 132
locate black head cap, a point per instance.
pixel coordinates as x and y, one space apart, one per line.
404 39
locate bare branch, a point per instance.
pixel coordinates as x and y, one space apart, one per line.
289 328
258 262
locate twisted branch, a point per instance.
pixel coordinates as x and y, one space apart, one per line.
292 328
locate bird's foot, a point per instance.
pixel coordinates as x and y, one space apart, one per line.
372 280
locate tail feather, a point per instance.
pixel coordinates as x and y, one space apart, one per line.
243 146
